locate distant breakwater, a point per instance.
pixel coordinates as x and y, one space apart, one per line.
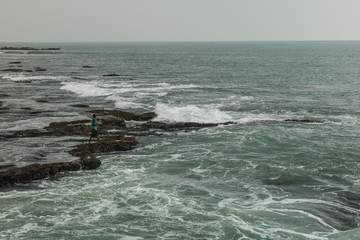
10 48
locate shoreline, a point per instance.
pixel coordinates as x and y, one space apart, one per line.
115 134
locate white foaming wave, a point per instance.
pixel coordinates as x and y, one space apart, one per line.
22 77
190 113
96 88
121 102
90 89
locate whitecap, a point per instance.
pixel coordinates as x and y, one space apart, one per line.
190 113
124 103
89 89
22 77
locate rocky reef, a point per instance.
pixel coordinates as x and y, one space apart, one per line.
115 136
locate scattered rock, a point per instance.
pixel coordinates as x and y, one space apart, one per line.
112 132
181 126
304 120
127 115
14 62
4 95
80 105
111 75
87 161
40 112
24 81
79 78
42 101
51 49
12 70
27 48
39 69
18 48
7 166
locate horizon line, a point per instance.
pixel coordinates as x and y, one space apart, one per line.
186 41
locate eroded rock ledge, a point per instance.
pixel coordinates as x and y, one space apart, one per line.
113 132
87 161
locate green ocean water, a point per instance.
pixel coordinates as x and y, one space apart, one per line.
259 178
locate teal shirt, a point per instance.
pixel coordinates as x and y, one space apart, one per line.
94 124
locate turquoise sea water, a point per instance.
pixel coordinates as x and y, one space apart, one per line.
261 178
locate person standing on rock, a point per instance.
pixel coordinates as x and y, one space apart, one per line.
94 132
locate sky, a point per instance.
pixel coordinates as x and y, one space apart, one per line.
178 20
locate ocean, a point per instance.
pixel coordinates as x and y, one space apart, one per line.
258 178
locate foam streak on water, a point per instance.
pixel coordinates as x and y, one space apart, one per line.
261 178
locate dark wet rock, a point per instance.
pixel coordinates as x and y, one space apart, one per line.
125 144
87 66
18 48
26 108
111 75
112 132
34 172
87 161
4 95
304 120
10 48
80 105
79 78
129 116
81 127
40 112
181 126
29 71
51 49
69 128
42 101
73 128
24 81
12 70
39 69
15 62
1 103
5 166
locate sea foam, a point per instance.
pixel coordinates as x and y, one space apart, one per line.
190 113
22 77
91 89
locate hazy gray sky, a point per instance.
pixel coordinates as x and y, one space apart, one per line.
178 20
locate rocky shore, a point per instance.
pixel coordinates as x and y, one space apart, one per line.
116 135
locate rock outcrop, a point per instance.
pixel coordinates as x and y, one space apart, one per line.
112 130
87 161
111 75
28 49
126 115
12 70
18 48
304 120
